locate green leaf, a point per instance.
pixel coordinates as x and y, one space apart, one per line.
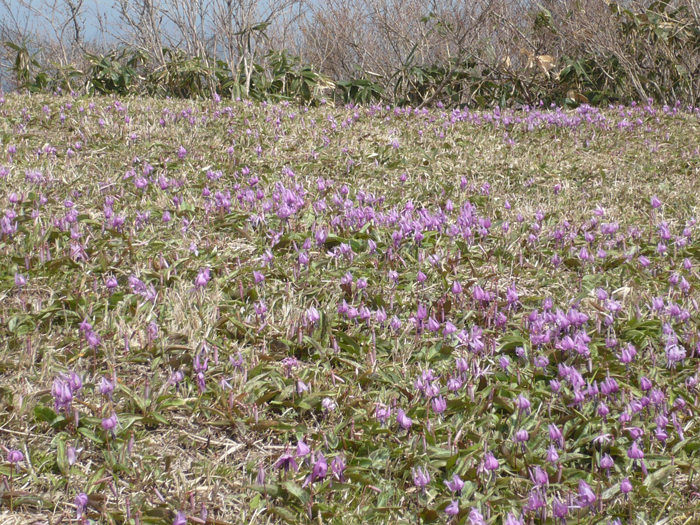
296 491
94 478
91 435
285 514
653 479
271 489
44 413
62 457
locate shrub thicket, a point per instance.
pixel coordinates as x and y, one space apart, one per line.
500 53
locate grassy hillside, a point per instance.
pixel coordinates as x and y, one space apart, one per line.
256 313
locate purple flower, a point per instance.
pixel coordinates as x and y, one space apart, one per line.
512 520
319 470
14 456
200 369
674 354
535 500
71 454
635 432
180 519
523 404
439 404
539 476
433 325
338 468
110 423
320 236
521 436
62 394
511 295
449 329
85 325
556 436
311 316
92 339
81 503
625 486
328 404
382 414
202 278
454 384
634 452
176 377
606 462
286 461
504 362
74 382
555 386
627 354
380 315
475 517
111 284
303 449
455 484
20 280
260 308
490 462
152 331
655 202
586 496
421 477
403 420
559 509
453 508
106 387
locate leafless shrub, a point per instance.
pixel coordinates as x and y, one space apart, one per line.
417 50
141 25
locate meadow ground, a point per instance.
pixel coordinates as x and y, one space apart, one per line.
249 313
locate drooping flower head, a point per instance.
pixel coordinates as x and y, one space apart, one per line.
287 461
586 496
455 484
421 477
81 503
202 278
490 462
106 387
453 508
338 468
403 420
110 423
14 457
319 471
